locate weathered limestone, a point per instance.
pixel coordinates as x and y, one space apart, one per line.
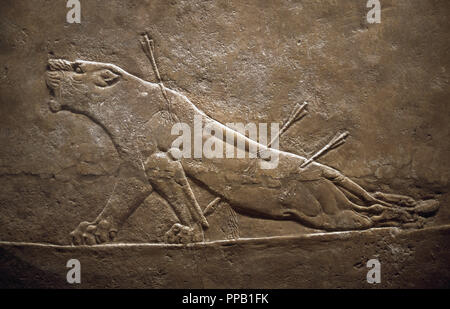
91 141
286 262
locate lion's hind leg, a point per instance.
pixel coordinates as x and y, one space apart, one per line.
404 211
336 212
352 187
379 201
401 200
340 213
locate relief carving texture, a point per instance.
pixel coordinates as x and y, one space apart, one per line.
88 166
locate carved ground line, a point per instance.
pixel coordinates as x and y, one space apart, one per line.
319 236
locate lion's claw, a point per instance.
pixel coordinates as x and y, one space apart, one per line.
91 233
181 234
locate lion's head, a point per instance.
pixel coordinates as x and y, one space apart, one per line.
79 85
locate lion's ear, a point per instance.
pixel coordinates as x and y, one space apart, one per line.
106 78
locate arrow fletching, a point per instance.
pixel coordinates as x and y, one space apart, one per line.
337 141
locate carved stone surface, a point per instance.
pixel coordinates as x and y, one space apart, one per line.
87 152
283 262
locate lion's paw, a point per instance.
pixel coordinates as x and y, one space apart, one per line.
411 217
182 234
91 233
427 207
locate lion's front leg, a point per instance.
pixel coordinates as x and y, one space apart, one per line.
169 180
130 191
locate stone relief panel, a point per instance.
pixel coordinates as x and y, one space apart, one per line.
123 130
139 116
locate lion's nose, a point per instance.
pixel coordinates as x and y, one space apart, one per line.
59 65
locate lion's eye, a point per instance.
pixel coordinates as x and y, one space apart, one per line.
78 70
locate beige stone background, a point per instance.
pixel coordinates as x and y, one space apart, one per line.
239 61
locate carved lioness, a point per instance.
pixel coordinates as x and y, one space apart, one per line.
138 119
